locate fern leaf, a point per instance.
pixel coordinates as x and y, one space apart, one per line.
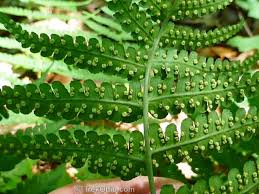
235 183
191 9
104 154
187 38
134 20
108 56
200 93
83 101
207 132
184 63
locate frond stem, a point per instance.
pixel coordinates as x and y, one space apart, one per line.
148 154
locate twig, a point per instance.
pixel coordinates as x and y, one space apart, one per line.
246 26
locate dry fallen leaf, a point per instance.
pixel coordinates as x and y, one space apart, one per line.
218 51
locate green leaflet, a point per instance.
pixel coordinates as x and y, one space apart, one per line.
107 153
190 39
169 62
200 92
207 132
116 102
236 182
104 154
107 56
82 101
197 8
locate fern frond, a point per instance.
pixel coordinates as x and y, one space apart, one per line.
83 101
104 154
199 93
188 38
134 20
235 183
109 57
207 132
191 9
